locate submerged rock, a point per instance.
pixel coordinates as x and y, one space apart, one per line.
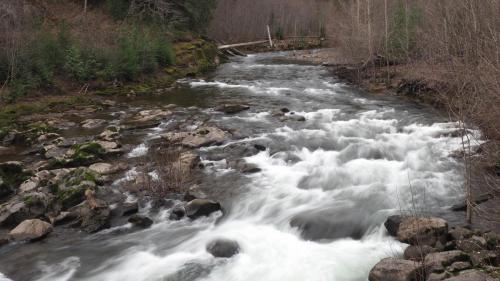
223 248
232 108
393 269
201 207
31 230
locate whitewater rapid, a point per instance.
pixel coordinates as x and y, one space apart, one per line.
316 209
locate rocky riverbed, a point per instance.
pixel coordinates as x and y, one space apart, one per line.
265 156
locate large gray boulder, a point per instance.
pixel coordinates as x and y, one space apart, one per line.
201 207
223 248
422 231
31 230
436 262
393 269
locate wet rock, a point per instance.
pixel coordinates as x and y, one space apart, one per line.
472 275
140 221
392 224
130 208
147 125
232 108
240 150
54 151
492 240
201 207
34 229
458 266
93 123
109 135
259 147
436 262
393 269
424 231
285 110
177 213
223 248
417 253
244 167
61 124
188 161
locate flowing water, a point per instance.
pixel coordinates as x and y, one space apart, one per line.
314 212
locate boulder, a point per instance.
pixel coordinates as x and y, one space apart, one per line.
6 150
232 108
130 208
201 207
34 229
152 114
472 275
47 137
485 257
177 213
422 231
91 220
417 253
392 224
436 262
140 221
393 269
28 206
109 135
204 137
62 218
458 266
223 248
473 244
93 123
459 233
107 169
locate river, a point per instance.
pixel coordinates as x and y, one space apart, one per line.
314 212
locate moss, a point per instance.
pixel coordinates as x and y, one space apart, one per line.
11 176
28 200
71 196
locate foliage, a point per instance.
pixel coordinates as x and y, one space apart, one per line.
402 39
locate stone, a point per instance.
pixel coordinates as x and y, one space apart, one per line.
28 206
223 248
473 244
201 207
33 229
92 220
130 208
232 108
140 221
12 175
4 240
6 150
151 115
204 137
107 169
485 257
393 269
109 135
53 151
177 213
93 123
437 276
462 207
422 231
417 253
472 275
285 110
436 262
492 240
62 218
244 167
458 266
459 233
47 137
392 224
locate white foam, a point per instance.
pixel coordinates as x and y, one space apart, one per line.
138 151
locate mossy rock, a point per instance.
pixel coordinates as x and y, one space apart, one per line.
71 189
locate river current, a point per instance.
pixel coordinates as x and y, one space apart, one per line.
316 209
